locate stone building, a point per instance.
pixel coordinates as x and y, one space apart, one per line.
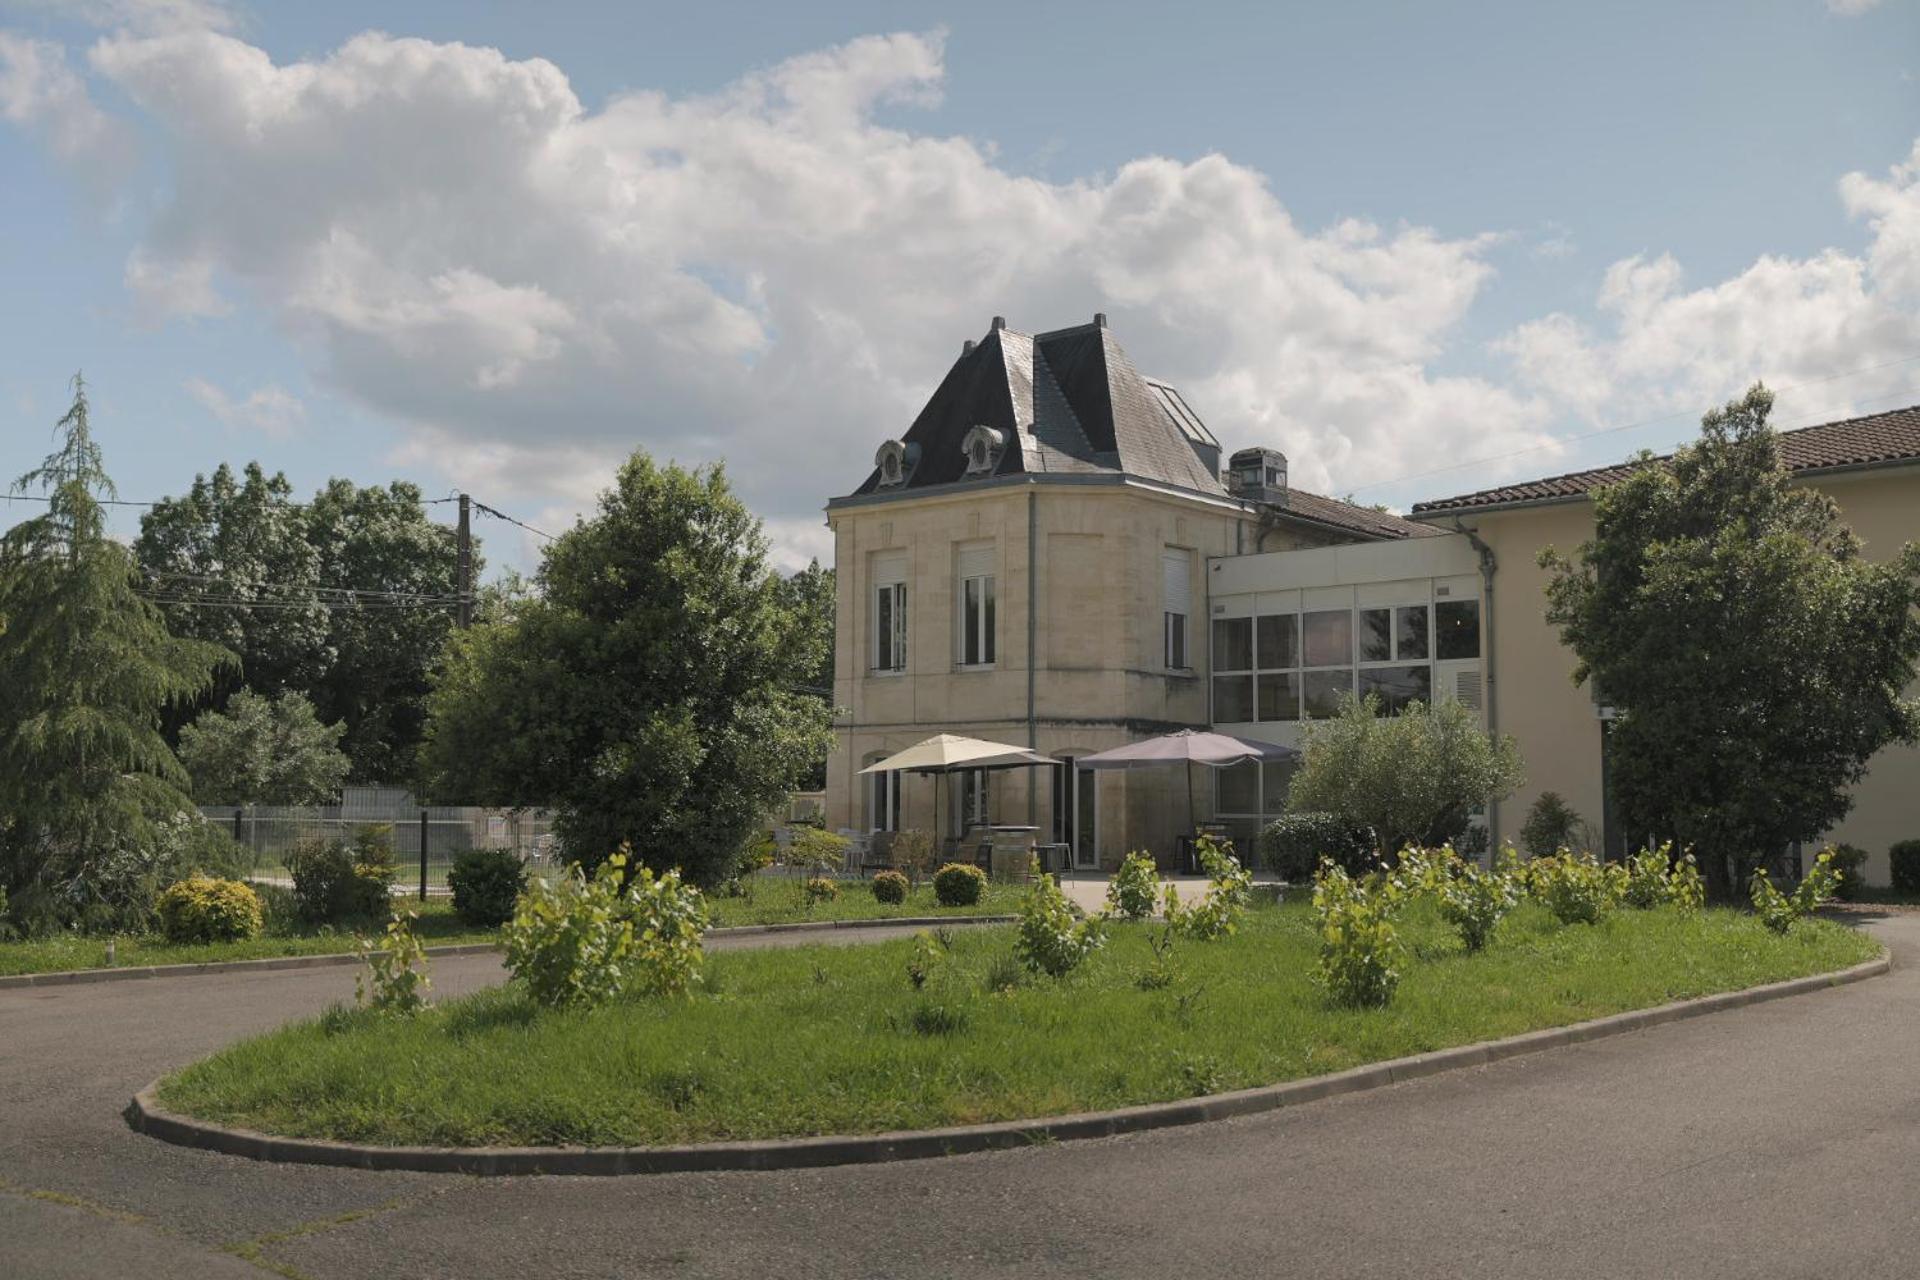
1026 563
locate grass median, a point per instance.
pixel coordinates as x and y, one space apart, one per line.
822 1040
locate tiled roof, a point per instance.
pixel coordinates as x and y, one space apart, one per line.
1891 437
1345 515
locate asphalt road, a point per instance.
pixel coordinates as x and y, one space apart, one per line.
1780 1140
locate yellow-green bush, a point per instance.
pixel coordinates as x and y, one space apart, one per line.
203 909
890 887
959 884
1134 891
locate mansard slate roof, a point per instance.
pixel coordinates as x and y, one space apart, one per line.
1878 439
1066 401
1070 402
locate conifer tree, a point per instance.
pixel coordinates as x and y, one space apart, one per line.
86 669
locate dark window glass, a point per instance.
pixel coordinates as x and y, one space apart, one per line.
1329 637
1376 635
1456 629
1396 687
1233 644
1410 632
1176 641
1320 691
1278 642
1279 695
1239 788
986 638
1233 698
1275 777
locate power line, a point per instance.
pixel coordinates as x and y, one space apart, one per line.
1559 441
486 510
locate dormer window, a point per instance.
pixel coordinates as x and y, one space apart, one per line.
982 447
895 460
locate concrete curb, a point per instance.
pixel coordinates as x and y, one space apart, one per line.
145 1115
67 977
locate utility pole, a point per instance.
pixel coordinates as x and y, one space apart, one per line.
465 570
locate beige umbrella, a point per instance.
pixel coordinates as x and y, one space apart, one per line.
945 753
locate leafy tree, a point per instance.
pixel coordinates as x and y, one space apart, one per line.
1756 660
86 668
812 589
232 561
286 586
652 693
379 539
1415 778
264 751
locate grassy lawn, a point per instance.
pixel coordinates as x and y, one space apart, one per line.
824 1040
778 900
438 926
773 902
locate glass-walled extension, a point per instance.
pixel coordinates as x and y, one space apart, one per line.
1291 632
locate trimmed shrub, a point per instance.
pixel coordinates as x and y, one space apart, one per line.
203 909
1052 941
335 881
486 884
1904 860
567 940
1849 863
1134 890
1360 949
959 884
818 889
395 979
1294 844
890 887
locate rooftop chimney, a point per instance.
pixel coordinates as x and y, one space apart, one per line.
999 322
1100 319
966 346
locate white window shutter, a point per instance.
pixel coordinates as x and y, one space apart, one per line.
889 567
976 562
1176 589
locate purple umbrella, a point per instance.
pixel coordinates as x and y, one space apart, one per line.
1189 747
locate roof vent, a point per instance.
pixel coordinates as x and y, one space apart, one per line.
1258 475
999 322
896 461
982 447
966 346
1100 319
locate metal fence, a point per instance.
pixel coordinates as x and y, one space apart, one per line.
425 840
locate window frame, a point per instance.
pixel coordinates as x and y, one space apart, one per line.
889 632
978 621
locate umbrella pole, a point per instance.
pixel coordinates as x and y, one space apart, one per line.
1192 828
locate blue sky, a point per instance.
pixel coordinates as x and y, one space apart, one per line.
1389 238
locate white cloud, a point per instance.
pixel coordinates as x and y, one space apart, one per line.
766 273
1793 322
270 410
771 275
40 92
1851 8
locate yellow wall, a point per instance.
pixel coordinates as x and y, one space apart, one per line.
1099 678
1554 721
